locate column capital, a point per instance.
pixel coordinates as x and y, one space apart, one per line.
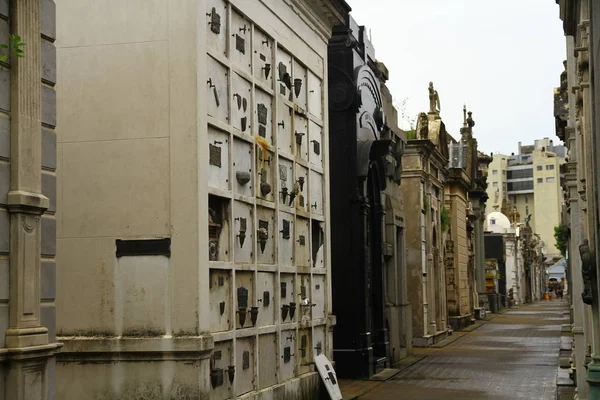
20 201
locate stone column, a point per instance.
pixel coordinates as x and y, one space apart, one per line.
27 343
479 250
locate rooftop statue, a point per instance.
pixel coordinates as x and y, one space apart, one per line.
527 219
470 121
422 126
434 100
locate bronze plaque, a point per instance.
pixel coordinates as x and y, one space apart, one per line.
242 297
262 113
286 229
263 225
302 240
262 131
240 44
246 360
215 155
316 147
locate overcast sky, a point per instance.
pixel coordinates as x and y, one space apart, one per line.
501 58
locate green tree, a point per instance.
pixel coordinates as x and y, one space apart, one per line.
15 45
561 239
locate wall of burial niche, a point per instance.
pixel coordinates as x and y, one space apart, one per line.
268 277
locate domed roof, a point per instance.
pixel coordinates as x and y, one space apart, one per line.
497 222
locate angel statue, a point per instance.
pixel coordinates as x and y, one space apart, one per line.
434 100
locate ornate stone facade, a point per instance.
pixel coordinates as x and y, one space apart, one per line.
424 174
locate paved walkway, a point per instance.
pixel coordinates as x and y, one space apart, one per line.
513 356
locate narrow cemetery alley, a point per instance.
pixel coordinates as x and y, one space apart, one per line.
514 355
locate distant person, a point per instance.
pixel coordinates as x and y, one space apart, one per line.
559 293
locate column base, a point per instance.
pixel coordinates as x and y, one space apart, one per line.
593 377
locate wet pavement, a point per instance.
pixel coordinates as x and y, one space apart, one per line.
513 356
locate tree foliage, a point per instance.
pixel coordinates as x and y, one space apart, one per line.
14 45
561 239
445 218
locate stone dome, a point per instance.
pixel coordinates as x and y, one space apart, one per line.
497 222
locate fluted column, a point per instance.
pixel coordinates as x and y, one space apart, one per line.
27 342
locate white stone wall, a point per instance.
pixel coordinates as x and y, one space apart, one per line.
153 138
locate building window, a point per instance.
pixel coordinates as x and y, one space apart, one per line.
540 180
495 172
495 184
520 173
550 166
550 179
522 185
493 221
539 167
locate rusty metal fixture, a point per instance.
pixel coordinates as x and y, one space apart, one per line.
242 300
299 137
263 235
265 188
242 234
267 69
287 80
253 315
216 377
319 348
215 21
214 230
316 147
297 86
243 177
284 194
238 97
301 182
242 316
284 312
285 231
231 373
303 345
292 197
292 310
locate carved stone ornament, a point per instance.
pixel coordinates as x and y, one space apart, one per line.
29 222
588 271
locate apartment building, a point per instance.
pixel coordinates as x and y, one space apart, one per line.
527 185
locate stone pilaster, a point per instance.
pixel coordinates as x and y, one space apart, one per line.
27 344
